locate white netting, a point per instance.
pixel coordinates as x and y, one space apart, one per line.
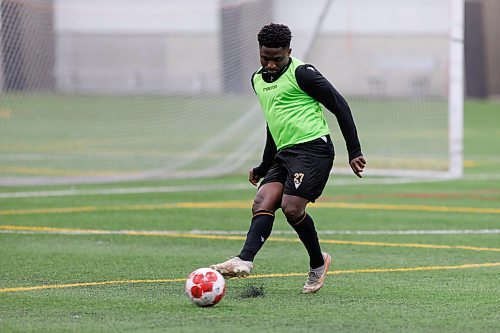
96 90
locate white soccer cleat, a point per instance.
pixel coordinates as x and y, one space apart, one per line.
234 267
317 276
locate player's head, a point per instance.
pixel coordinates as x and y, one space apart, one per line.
274 45
274 35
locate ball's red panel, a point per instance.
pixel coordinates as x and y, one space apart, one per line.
211 276
218 298
196 291
206 286
198 278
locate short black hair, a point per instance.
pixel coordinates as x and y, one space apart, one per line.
274 35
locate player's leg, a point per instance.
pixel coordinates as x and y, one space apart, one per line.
309 167
266 202
294 209
319 262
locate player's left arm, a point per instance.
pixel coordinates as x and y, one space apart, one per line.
313 83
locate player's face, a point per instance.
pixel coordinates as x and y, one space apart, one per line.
274 59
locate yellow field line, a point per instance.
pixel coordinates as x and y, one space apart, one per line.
426 208
247 204
83 209
49 210
84 284
75 231
262 276
414 245
384 270
61 172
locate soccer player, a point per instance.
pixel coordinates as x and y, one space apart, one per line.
298 155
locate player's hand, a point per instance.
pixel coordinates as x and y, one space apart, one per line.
357 165
253 179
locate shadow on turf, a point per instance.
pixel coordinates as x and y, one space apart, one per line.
252 291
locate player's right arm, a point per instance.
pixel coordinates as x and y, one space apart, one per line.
313 83
270 150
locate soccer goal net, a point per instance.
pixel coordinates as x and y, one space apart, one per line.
98 91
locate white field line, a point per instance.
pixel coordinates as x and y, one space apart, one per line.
276 232
125 190
190 188
220 187
482 176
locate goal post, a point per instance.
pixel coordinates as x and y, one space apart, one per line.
94 91
400 66
457 89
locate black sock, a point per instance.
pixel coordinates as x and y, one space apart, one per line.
260 229
307 234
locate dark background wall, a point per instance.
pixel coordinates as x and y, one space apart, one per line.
482 48
475 66
27 45
492 45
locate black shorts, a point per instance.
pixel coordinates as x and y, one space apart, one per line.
303 169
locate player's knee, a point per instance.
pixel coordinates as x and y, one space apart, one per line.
265 200
262 203
293 213
257 204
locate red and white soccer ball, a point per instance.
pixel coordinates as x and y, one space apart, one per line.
205 287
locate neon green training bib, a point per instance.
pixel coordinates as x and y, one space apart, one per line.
292 115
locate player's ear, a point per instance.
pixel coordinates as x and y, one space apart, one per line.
289 51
